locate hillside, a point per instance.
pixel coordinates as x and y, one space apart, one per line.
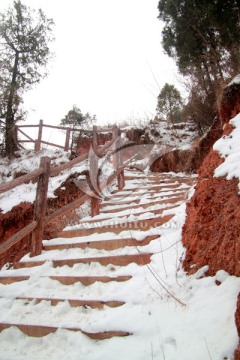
155 274
212 230
113 286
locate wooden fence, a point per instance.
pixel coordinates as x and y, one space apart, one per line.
39 140
36 228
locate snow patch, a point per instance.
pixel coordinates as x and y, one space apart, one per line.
229 149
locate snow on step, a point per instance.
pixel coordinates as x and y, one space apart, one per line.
165 200
133 210
101 245
141 185
68 280
88 278
126 216
94 304
148 189
145 198
142 223
122 260
160 326
41 330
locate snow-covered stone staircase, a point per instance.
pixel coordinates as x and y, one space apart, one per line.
81 279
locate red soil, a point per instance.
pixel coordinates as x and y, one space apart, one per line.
189 160
22 214
211 233
212 230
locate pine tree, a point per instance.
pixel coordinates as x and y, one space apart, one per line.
24 38
76 119
169 104
203 37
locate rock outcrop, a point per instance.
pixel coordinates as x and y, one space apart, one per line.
211 233
189 160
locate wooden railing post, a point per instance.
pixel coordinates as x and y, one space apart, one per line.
40 206
39 139
118 160
68 133
93 166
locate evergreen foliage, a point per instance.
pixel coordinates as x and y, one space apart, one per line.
203 37
24 53
76 120
170 103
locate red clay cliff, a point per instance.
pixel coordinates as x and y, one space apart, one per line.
211 233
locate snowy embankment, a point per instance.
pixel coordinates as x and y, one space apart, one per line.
170 315
28 161
25 163
229 149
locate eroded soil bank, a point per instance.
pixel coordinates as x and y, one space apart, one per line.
189 160
22 214
211 233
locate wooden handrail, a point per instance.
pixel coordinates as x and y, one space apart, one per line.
66 208
36 227
57 127
54 171
21 180
39 140
99 130
102 151
27 136
109 130
52 144
111 178
24 126
82 199
13 240
40 206
118 157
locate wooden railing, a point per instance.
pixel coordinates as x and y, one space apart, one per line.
36 228
39 140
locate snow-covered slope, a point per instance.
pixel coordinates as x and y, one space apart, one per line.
172 136
169 315
28 161
229 149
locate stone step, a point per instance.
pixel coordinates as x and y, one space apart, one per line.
147 177
94 304
98 220
117 228
142 185
138 200
159 178
41 330
173 200
102 245
133 177
43 325
118 198
133 192
147 188
121 260
67 280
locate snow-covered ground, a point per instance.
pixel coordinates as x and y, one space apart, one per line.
229 149
171 316
159 138
27 162
172 136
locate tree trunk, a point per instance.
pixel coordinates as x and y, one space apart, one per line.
10 132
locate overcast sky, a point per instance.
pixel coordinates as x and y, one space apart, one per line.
108 60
